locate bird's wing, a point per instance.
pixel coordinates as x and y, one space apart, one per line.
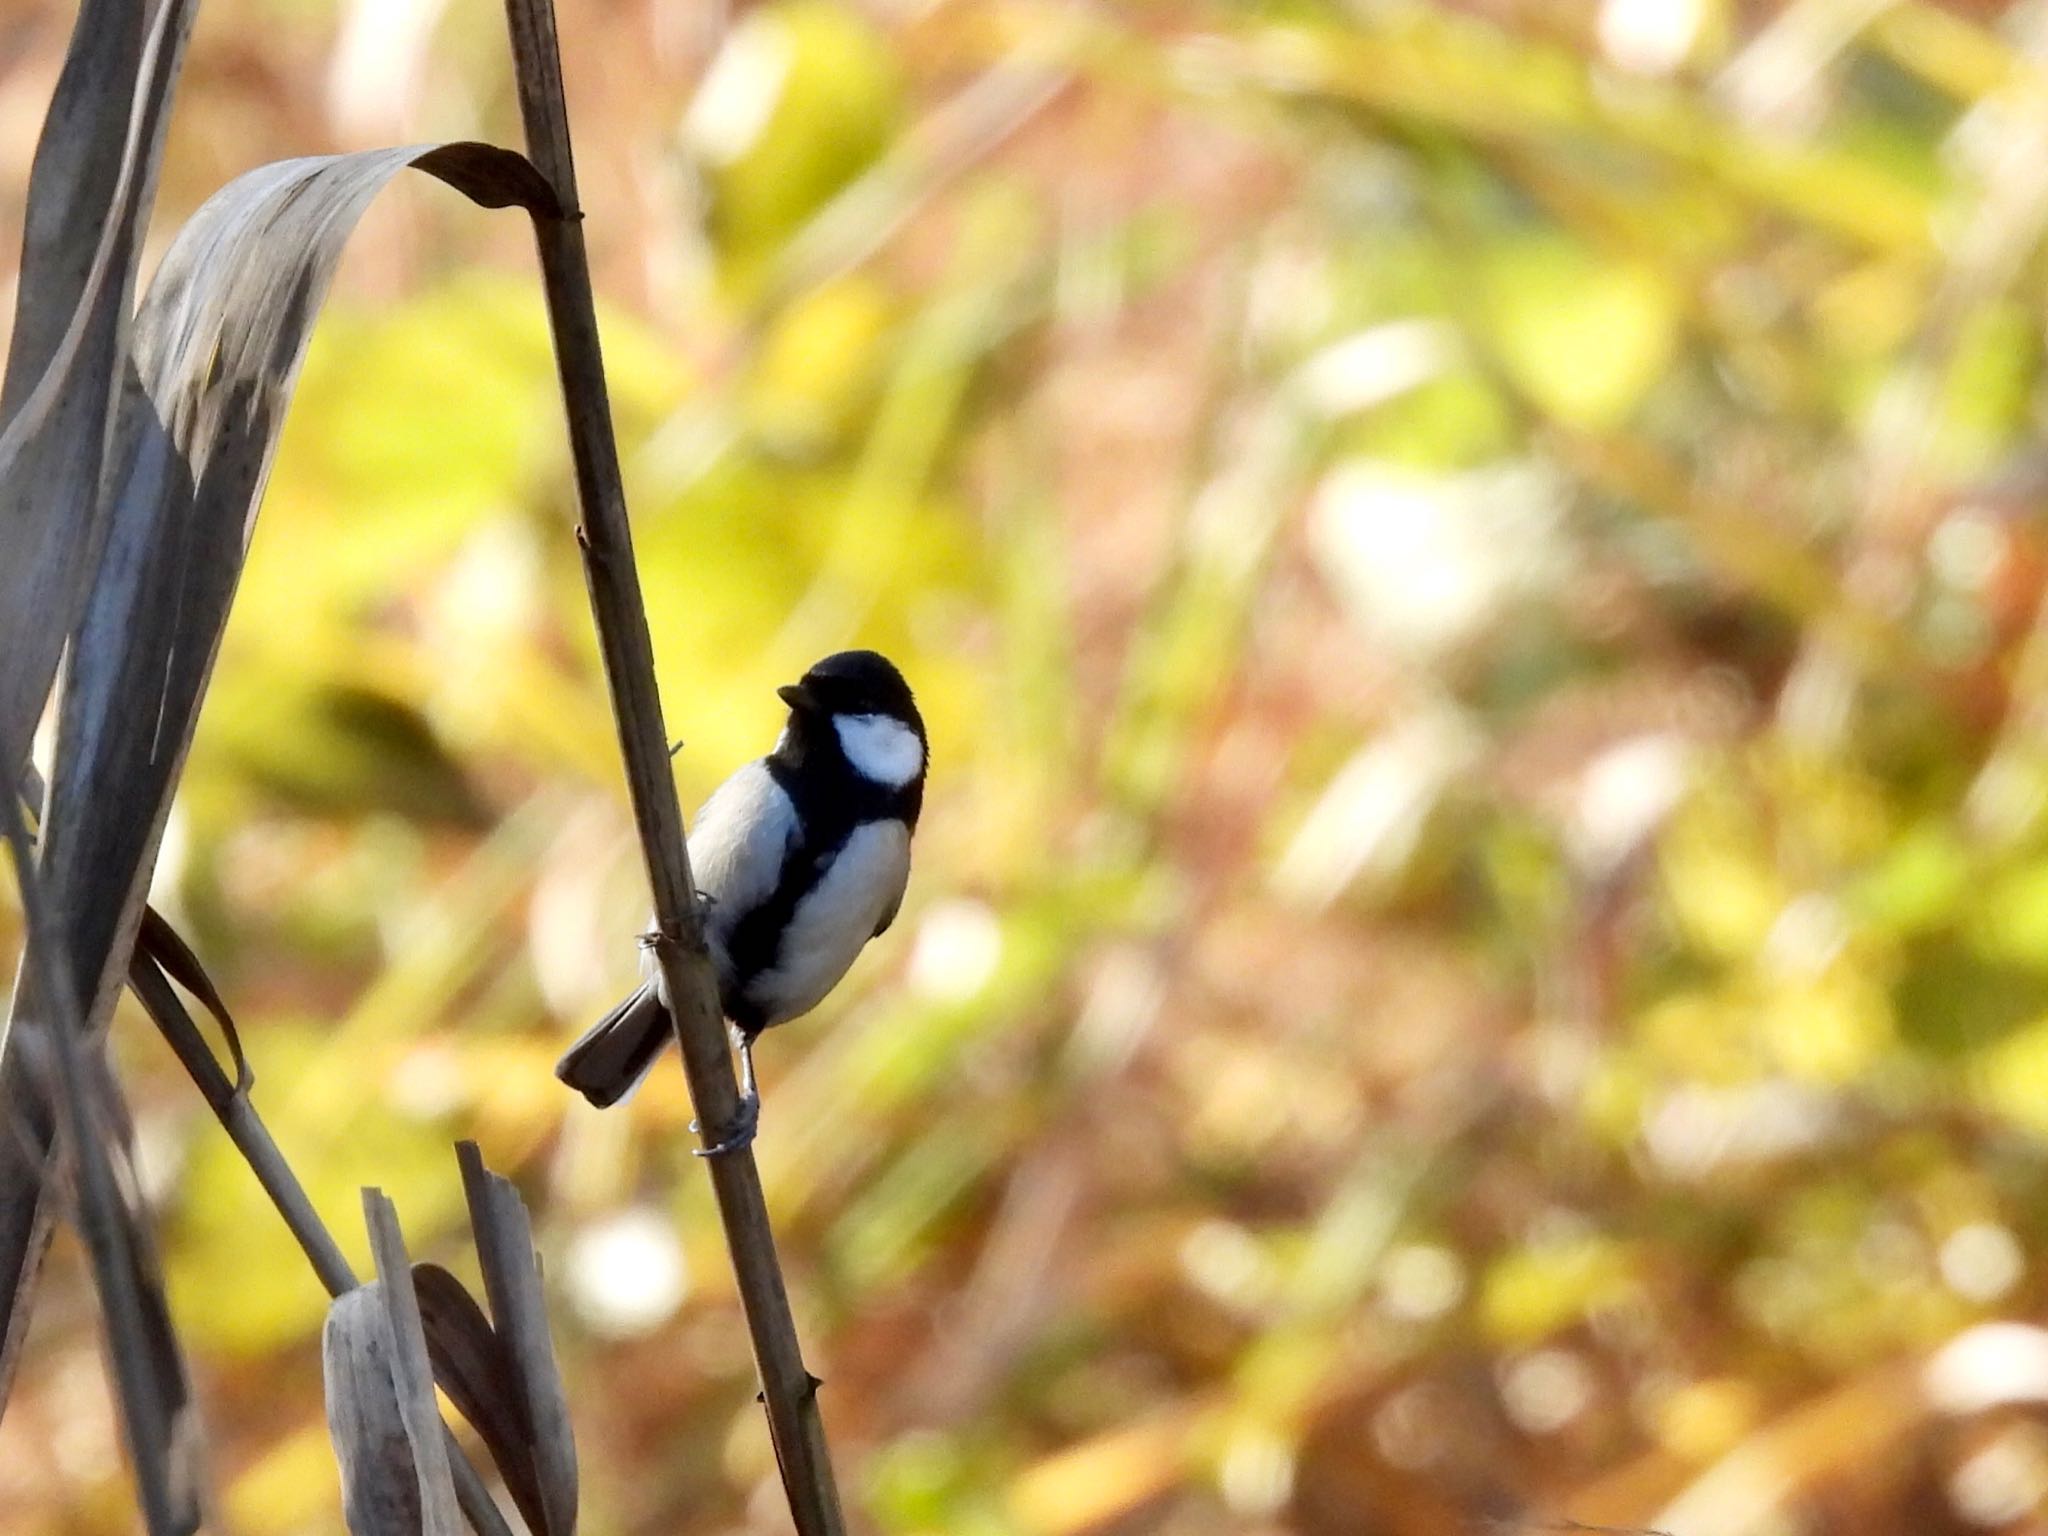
895 905
742 834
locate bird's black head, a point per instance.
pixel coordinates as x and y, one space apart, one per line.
853 711
855 683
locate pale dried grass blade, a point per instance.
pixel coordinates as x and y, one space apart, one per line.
380 1495
381 1409
512 1284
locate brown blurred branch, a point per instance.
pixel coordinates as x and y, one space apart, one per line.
788 1389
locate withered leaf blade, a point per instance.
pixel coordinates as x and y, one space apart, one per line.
472 1367
162 945
412 1374
214 352
493 177
380 1493
512 1283
77 179
217 347
90 190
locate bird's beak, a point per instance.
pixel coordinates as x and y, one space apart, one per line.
796 696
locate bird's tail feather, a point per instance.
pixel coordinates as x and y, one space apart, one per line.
617 1050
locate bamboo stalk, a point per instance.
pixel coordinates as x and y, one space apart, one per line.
789 1391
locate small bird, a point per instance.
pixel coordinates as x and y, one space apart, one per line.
800 858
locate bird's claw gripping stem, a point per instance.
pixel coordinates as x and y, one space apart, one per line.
739 1133
747 1119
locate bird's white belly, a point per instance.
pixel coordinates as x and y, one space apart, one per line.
835 919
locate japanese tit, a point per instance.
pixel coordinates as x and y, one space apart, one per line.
800 858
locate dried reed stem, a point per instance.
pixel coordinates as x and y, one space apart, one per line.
788 1389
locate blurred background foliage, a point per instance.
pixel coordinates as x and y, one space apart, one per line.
1479 953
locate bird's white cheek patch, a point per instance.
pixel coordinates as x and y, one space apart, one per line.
884 750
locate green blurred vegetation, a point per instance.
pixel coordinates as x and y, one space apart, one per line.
1479 951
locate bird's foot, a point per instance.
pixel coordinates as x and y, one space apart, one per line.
705 902
739 1133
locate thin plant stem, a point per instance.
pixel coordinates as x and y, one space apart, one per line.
788 1390
244 1126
